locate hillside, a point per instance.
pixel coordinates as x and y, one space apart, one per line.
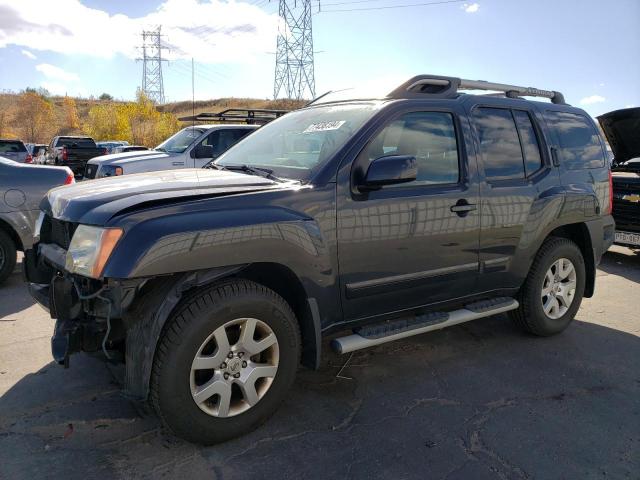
34 116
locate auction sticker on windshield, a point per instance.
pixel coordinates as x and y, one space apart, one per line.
324 126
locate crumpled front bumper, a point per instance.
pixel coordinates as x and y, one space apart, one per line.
82 319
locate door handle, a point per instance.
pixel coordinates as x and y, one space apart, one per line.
462 207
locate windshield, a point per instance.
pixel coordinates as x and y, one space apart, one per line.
181 140
300 141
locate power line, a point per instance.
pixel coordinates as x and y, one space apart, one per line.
387 7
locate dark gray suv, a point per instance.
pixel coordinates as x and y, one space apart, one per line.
367 219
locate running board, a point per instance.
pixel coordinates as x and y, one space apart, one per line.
406 327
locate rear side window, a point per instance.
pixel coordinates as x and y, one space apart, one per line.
12 147
577 140
499 143
430 137
221 140
530 146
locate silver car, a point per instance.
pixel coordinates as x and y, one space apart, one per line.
22 187
15 150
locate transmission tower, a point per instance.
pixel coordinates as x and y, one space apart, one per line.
294 56
152 84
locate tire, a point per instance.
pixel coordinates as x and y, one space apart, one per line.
8 254
186 334
530 315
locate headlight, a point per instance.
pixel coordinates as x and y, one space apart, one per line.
90 249
109 171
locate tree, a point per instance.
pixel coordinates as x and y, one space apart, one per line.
105 96
137 122
34 117
71 120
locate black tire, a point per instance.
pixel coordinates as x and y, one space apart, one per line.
530 315
194 320
8 254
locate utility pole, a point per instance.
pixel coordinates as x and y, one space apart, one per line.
294 76
152 84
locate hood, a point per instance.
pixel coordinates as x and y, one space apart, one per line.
97 201
118 158
622 129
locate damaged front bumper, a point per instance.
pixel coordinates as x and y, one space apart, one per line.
88 312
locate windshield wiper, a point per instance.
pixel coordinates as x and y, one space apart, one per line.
249 170
160 149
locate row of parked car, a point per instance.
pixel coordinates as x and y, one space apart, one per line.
420 209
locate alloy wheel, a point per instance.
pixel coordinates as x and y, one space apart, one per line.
234 367
558 288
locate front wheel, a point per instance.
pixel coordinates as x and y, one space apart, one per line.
225 361
552 293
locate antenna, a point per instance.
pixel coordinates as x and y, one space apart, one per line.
152 84
193 93
294 57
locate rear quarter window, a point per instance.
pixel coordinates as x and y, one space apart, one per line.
12 147
576 139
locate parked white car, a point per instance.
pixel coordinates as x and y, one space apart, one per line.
190 147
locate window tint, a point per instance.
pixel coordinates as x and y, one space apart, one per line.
12 147
428 136
499 143
76 142
532 157
577 140
222 140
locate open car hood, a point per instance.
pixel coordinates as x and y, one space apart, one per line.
622 129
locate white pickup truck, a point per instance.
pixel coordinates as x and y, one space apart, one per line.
191 147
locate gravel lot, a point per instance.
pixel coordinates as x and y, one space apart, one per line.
480 400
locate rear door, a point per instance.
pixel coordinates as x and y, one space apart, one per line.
518 173
405 246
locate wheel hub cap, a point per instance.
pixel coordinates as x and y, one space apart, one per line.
234 367
558 288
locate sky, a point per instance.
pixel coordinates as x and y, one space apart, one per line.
587 49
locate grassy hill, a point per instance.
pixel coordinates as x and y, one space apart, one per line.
14 118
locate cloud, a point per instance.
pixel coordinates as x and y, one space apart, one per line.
56 73
28 54
471 7
208 30
592 99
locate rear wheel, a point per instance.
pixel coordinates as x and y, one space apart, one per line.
225 362
553 290
8 254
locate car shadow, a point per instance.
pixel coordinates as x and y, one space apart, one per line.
12 294
623 262
480 399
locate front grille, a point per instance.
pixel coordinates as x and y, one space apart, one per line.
90 171
57 231
627 215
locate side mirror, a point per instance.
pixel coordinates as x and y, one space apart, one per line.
203 151
389 170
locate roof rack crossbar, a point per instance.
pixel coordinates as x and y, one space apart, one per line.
449 87
248 115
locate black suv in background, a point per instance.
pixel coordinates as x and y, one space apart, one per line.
389 217
622 129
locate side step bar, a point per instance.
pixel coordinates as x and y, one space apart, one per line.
406 327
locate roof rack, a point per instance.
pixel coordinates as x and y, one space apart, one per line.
449 87
252 116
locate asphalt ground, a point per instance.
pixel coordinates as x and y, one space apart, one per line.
480 400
